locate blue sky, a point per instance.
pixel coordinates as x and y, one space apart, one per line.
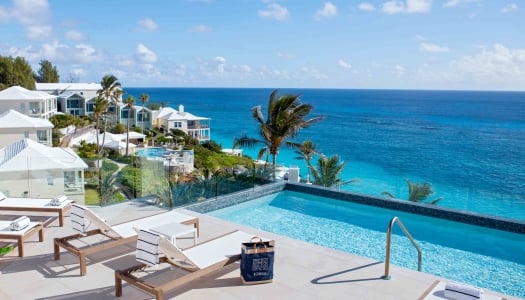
399 44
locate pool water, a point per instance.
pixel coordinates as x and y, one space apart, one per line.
476 255
152 152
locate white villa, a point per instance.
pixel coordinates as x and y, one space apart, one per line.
112 141
79 98
73 98
15 126
168 118
35 104
30 169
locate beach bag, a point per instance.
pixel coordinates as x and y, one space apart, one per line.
257 259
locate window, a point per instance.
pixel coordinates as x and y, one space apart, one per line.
34 108
90 107
41 135
26 134
177 124
22 107
72 181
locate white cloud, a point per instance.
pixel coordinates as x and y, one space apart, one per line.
509 8
498 64
407 6
344 65
220 63
400 70
200 28
420 38
148 25
285 55
452 3
366 6
34 15
75 35
429 47
145 55
274 11
329 10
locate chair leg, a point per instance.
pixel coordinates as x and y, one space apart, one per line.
83 267
118 284
56 250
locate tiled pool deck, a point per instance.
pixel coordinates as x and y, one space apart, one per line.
302 270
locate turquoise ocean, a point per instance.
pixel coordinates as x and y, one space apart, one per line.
470 145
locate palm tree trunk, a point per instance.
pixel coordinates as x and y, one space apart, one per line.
274 163
127 135
142 129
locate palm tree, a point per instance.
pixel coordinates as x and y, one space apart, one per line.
418 192
143 99
305 151
99 108
130 100
328 171
285 118
111 91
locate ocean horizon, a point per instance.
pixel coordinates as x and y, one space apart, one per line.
467 144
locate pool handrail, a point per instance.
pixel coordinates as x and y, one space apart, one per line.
393 221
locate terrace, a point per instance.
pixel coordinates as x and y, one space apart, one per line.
302 270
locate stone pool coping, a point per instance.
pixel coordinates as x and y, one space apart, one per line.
429 210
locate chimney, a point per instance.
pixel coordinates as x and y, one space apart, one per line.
181 109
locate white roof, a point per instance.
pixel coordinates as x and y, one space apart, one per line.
170 114
20 93
68 94
27 155
14 119
111 138
65 86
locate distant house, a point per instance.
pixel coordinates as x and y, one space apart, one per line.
73 98
138 116
31 103
30 169
111 141
168 118
79 99
15 126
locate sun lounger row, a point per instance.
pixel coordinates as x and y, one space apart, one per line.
60 204
152 248
83 218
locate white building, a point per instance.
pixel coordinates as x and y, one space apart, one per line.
31 103
73 98
30 169
168 118
111 141
15 126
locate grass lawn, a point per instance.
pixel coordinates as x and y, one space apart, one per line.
92 197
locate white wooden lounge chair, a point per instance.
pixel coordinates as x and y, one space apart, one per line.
21 235
438 291
82 218
198 260
36 204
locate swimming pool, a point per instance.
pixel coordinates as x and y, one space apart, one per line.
480 256
152 152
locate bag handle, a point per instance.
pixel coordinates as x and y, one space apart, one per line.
260 241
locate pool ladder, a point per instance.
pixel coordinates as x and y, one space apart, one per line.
388 241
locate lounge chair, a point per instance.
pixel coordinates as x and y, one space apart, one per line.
82 218
36 204
21 235
440 290
198 260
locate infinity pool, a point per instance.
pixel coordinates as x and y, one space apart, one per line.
476 255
